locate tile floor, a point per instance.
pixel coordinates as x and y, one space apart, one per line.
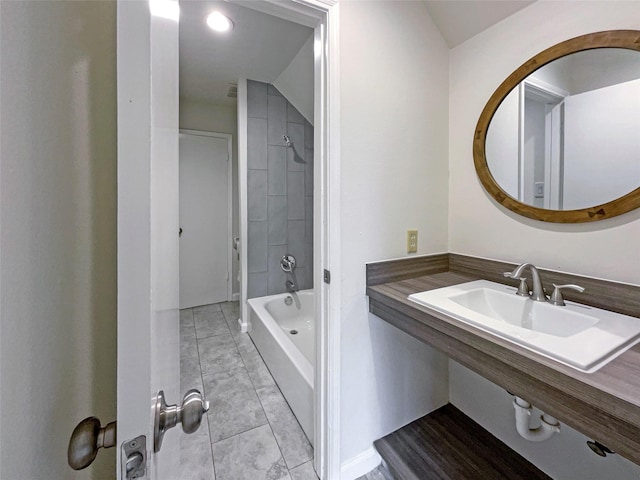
251 433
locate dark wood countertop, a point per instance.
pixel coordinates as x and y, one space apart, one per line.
604 405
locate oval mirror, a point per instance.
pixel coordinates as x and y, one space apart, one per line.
559 140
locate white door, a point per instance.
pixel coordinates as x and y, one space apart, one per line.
148 316
204 218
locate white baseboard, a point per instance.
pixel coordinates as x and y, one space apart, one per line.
360 465
244 327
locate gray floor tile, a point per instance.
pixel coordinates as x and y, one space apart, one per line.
378 474
247 443
304 472
209 321
187 330
234 328
252 455
187 384
235 407
187 337
218 354
190 375
186 316
196 459
292 441
231 311
246 346
214 307
258 371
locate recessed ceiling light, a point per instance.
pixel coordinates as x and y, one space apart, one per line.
218 22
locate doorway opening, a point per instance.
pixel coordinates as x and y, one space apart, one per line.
293 193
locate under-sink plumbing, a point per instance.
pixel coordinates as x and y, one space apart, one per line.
548 424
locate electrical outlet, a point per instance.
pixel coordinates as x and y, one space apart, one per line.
412 241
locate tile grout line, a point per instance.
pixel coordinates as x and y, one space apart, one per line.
273 433
260 400
202 375
213 464
211 443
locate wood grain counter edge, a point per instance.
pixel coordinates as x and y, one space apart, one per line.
604 405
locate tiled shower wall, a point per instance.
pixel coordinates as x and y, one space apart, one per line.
280 191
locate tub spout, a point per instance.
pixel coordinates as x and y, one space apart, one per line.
291 287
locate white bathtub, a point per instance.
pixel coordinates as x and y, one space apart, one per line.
289 357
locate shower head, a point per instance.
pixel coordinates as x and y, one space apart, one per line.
287 140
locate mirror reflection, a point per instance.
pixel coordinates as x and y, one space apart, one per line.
568 136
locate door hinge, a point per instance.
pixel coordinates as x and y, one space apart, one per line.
327 276
133 458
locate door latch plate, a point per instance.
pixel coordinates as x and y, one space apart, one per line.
134 458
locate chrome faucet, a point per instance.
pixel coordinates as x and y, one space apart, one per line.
291 287
538 293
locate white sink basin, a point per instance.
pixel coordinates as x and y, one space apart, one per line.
582 337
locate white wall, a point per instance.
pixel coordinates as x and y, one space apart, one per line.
477 226
58 223
219 119
393 81
296 81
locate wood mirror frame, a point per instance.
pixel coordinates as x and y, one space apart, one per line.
629 39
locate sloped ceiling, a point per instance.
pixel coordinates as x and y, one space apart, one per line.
261 46
459 20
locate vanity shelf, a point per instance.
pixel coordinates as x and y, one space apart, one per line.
448 445
604 405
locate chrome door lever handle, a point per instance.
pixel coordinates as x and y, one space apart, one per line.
189 414
87 438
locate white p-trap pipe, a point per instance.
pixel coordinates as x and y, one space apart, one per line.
548 424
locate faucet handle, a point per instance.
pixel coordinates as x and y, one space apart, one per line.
556 296
523 288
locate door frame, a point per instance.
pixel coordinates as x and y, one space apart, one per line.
323 17
229 138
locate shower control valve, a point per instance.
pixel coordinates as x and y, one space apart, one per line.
288 263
